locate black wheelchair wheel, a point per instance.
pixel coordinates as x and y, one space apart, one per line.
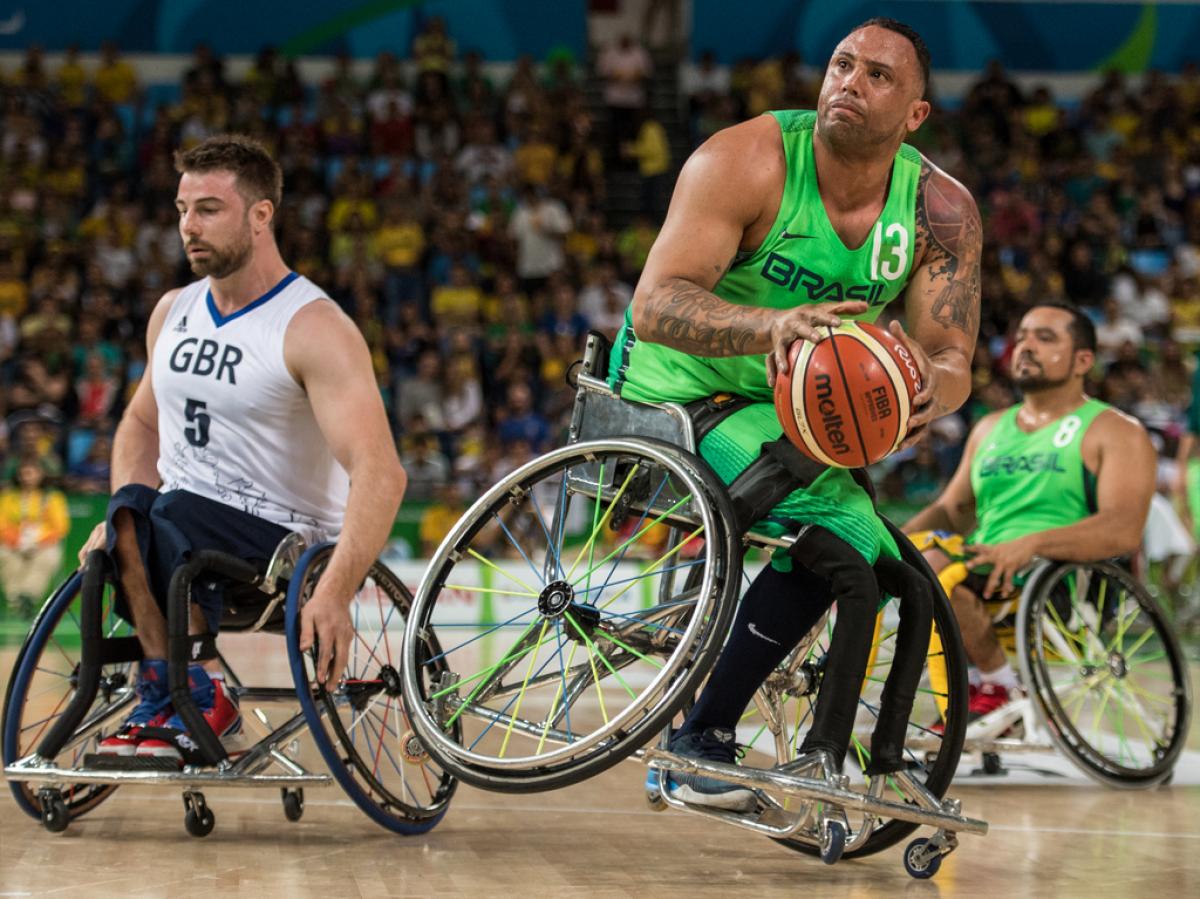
41 688
1106 672
587 637
361 727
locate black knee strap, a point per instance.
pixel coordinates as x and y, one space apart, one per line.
779 469
855 590
915 593
709 412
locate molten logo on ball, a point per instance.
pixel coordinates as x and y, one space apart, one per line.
830 420
846 401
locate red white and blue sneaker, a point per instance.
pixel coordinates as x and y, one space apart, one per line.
152 710
220 710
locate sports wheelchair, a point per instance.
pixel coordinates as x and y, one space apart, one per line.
1105 679
73 683
606 574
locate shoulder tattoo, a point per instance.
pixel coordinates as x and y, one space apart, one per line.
950 236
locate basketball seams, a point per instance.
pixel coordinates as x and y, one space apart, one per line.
883 356
837 357
800 411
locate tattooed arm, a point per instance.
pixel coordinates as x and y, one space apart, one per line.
942 301
725 200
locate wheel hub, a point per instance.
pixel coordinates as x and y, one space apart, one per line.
1116 664
390 678
555 599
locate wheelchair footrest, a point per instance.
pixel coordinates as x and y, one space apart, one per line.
99 762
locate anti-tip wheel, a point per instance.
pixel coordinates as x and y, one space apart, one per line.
55 816
833 842
293 804
917 861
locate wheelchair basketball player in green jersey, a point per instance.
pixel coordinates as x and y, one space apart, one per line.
778 227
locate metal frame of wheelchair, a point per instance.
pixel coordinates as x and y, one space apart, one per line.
803 800
1071 664
55 778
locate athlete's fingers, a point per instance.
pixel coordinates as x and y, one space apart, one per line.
849 307
341 654
324 657
915 436
770 369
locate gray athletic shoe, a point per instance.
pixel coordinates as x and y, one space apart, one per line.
714 744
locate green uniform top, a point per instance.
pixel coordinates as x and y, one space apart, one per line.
802 260
1026 483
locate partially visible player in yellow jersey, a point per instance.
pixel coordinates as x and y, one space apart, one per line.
1058 476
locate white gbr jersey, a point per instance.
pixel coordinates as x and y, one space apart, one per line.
233 424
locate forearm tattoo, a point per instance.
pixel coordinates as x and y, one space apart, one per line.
686 317
952 236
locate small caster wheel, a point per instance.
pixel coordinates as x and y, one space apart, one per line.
55 816
198 819
293 804
918 862
833 842
991 764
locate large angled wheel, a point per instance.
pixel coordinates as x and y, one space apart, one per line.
42 686
360 727
578 604
1106 672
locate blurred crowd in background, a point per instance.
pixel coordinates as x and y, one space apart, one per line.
462 221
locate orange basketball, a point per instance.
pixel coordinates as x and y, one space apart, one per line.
846 401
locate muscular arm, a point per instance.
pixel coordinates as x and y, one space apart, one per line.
954 510
726 199
135 444
328 356
943 297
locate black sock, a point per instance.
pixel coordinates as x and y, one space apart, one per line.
779 608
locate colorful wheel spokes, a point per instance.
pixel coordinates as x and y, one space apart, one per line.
564 609
365 713
1108 671
52 687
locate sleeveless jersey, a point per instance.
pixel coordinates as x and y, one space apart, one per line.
801 261
233 424
1026 483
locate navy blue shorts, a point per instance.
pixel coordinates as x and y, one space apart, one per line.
170 526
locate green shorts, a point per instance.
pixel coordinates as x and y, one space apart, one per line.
834 500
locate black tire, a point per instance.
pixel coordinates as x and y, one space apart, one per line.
409 795
1095 648
44 676
650 474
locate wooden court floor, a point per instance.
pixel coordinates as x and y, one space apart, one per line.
1065 838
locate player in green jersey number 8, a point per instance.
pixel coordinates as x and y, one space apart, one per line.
1059 476
777 227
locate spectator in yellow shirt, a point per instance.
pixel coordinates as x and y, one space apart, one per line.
440 516
400 242
33 524
71 80
116 80
535 159
653 154
459 303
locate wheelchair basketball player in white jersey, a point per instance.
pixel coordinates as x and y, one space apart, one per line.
258 415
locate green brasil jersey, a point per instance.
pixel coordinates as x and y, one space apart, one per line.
1026 483
801 261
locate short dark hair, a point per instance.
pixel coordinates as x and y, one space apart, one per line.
258 175
915 39
1083 329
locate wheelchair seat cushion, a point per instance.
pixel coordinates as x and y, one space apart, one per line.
171 526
